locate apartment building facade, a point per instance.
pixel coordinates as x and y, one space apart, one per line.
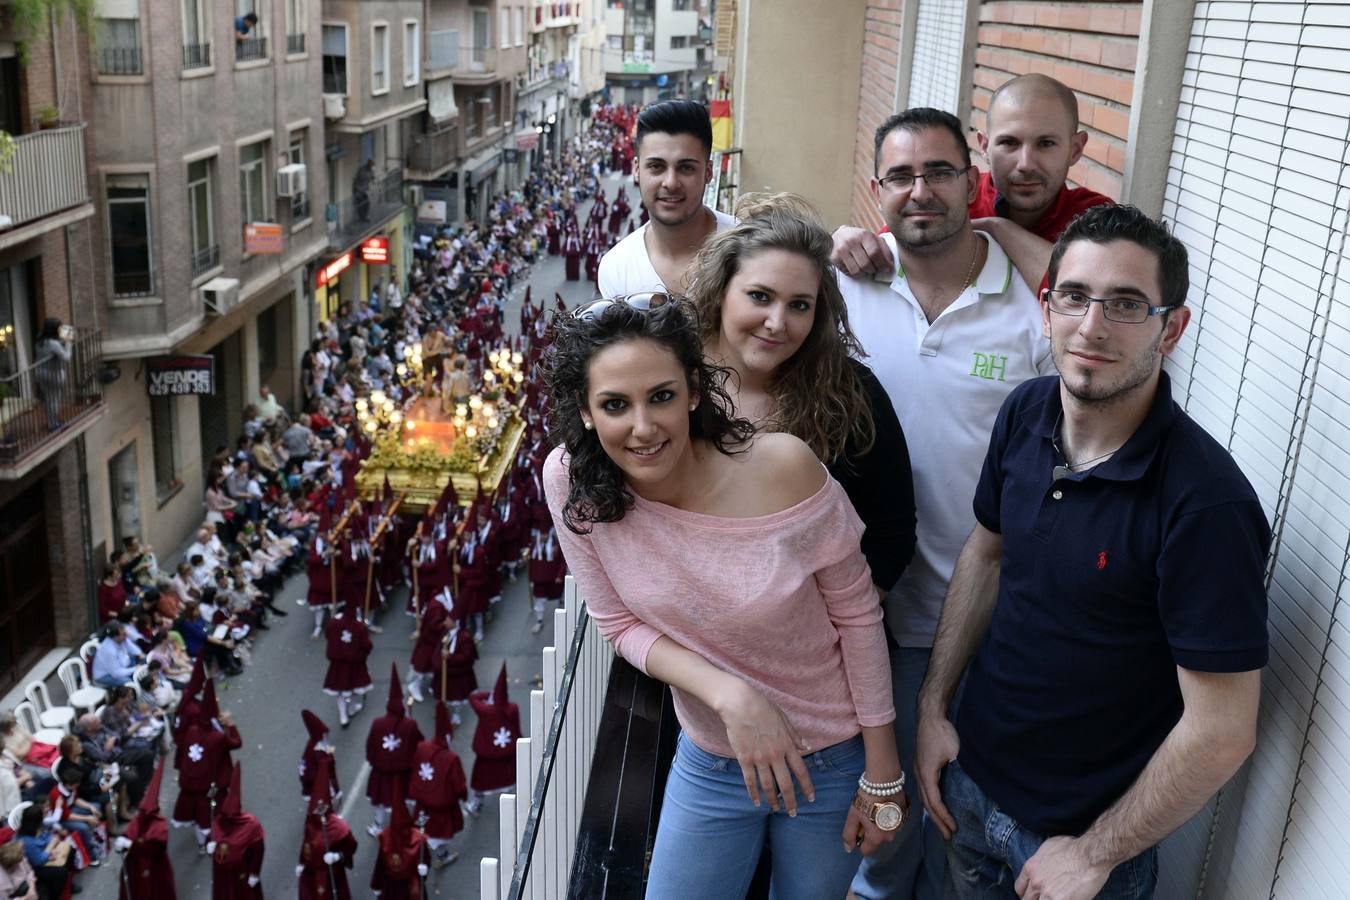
657 49
46 246
202 140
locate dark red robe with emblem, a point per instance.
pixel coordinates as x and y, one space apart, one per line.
205 762
318 880
494 743
431 630
459 681
348 648
437 787
390 746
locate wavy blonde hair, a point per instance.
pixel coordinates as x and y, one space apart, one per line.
818 394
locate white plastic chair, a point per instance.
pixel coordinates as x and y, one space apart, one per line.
49 715
87 651
27 717
82 694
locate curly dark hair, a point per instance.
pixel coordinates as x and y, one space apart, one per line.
596 490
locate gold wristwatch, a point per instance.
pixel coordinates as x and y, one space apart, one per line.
885 814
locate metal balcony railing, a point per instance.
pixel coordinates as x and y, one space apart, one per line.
39 402
433 152
476 61
196 56
119 61
353 216
46 175
205 259
247 49
295 43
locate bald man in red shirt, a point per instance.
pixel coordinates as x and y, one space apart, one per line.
1031 140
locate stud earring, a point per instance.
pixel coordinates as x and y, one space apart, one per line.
588 425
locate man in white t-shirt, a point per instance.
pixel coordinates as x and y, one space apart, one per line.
949 334
674 165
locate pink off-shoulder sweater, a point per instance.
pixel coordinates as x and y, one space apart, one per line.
784 601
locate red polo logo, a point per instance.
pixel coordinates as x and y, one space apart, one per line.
1101 560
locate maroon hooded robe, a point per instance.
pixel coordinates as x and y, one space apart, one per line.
390 746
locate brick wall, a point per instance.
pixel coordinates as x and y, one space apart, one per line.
1090 46
876 98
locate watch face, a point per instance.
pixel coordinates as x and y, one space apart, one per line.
889 816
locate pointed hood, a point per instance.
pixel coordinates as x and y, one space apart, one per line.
445 728
149 805
210 714
325 519
350 609
400 821
314 725
198 677
499 695
321 794
232 808
395 705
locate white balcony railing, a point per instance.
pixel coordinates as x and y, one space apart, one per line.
540 821
46 175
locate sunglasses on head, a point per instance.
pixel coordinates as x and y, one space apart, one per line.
642 301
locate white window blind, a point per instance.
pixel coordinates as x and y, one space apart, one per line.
1258 190
935 70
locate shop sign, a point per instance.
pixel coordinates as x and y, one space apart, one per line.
169 376
333 269
263 238
527 140
375 250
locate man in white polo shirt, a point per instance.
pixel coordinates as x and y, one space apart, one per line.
949 334
674 165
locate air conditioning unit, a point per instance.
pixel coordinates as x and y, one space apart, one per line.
291 180
220 295
334 106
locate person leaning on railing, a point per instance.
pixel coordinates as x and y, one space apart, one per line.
53 356
726 564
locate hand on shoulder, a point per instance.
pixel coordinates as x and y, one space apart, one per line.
786 469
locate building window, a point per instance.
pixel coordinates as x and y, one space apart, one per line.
163 427
296 157
253 182
119 37
196 35
616 43
129 235
201 222
518 25
443 50
253 45
295 26
482 35
379 58
15 340
412 53
335 59
679 42
682 5
269 342
504 26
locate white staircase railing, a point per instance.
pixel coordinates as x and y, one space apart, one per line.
539 822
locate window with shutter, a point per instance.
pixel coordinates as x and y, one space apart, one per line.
939 39
1258 190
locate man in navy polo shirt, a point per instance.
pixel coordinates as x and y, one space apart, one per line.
1111 595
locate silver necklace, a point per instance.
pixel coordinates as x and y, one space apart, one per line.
1067 468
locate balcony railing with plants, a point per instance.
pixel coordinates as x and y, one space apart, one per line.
41 401
45 175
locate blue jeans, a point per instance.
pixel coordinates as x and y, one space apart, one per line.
710 835
914 865
989 849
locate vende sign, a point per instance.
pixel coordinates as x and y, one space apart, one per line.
333 269
263 238
173 375
375 250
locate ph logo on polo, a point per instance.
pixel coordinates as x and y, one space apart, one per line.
990 366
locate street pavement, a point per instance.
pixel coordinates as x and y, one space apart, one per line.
286 674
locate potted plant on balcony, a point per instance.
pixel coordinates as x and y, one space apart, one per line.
48 117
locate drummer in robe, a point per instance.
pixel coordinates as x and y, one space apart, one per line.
438 789
455 678
494 743
147 872
348 648
390 746
547 571
236 848
318 753
432 626
327 850
400 868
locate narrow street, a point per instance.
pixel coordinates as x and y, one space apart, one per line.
285 677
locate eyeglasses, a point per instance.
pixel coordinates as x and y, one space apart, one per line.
905 180
1117 309
642 301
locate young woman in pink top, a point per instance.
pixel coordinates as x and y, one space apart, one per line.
727 566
